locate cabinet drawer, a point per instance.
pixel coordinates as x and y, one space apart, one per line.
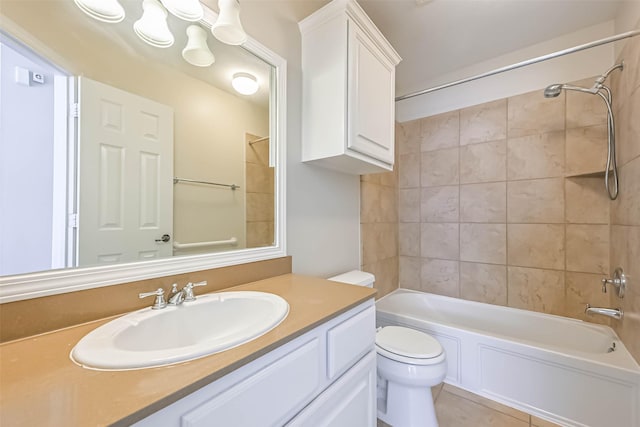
350 340
267 398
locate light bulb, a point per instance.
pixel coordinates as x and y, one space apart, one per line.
196 52
188 10
152 28
228 28
103 10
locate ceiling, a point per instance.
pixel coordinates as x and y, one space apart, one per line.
436 37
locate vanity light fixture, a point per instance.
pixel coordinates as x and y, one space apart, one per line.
188 10
245 83
152 28
197 52
103 10
228 28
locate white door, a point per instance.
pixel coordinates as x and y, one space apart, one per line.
125 183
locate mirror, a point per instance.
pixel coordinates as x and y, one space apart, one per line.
167 169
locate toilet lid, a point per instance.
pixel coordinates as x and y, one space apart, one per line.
408 342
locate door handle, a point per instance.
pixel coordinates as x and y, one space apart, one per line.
165 238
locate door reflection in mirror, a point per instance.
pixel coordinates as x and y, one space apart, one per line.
111 193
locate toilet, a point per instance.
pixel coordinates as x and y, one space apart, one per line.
409 363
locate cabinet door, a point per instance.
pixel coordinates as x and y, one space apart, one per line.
266 398
370 100
349 402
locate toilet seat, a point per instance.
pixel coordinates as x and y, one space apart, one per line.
408 346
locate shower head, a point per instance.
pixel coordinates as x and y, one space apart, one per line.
555 89
604 92
552 91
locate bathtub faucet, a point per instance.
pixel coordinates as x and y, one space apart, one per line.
616 313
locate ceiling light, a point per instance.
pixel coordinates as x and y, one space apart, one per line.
196 52
103 10
228 28
152 28
244 83
188 10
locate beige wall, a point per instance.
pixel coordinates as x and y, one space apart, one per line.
209 124
494 205
625 211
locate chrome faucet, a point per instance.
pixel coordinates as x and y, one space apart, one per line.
615 313
188 290
159 301
176 297
619 282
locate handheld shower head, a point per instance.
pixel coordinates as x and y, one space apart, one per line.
604 92
552 91
555 90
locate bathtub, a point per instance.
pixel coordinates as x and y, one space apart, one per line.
564 370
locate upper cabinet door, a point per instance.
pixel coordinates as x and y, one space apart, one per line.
370 101
348 89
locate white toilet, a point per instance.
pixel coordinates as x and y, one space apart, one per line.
409 363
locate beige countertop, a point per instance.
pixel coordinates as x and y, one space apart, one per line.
41 386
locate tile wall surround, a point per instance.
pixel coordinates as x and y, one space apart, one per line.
379 224
29 317
494 205
625 210
260 208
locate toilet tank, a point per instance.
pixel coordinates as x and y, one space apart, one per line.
355 277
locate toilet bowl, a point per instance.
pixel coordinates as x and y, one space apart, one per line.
409 363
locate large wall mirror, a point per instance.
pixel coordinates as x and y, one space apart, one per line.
122 160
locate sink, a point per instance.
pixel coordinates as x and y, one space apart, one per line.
212 323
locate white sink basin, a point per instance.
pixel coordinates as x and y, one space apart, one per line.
148 338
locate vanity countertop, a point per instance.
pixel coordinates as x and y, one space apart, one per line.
41 386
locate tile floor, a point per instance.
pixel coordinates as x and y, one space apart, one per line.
459 408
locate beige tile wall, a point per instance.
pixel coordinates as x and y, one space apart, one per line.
625 211
488 208
379 213
260 193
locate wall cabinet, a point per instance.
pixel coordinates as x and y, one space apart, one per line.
325 377
348 86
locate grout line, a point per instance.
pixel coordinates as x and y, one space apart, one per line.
506 204
459 206
564 240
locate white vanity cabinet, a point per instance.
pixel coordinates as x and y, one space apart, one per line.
327 376
348 86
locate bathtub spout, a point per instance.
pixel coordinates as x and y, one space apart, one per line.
616 313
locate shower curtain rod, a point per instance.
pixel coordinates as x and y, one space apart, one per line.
523 64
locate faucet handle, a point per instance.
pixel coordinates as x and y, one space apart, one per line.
159 301
619 281
188 290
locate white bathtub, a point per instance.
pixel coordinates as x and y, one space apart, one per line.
553 367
